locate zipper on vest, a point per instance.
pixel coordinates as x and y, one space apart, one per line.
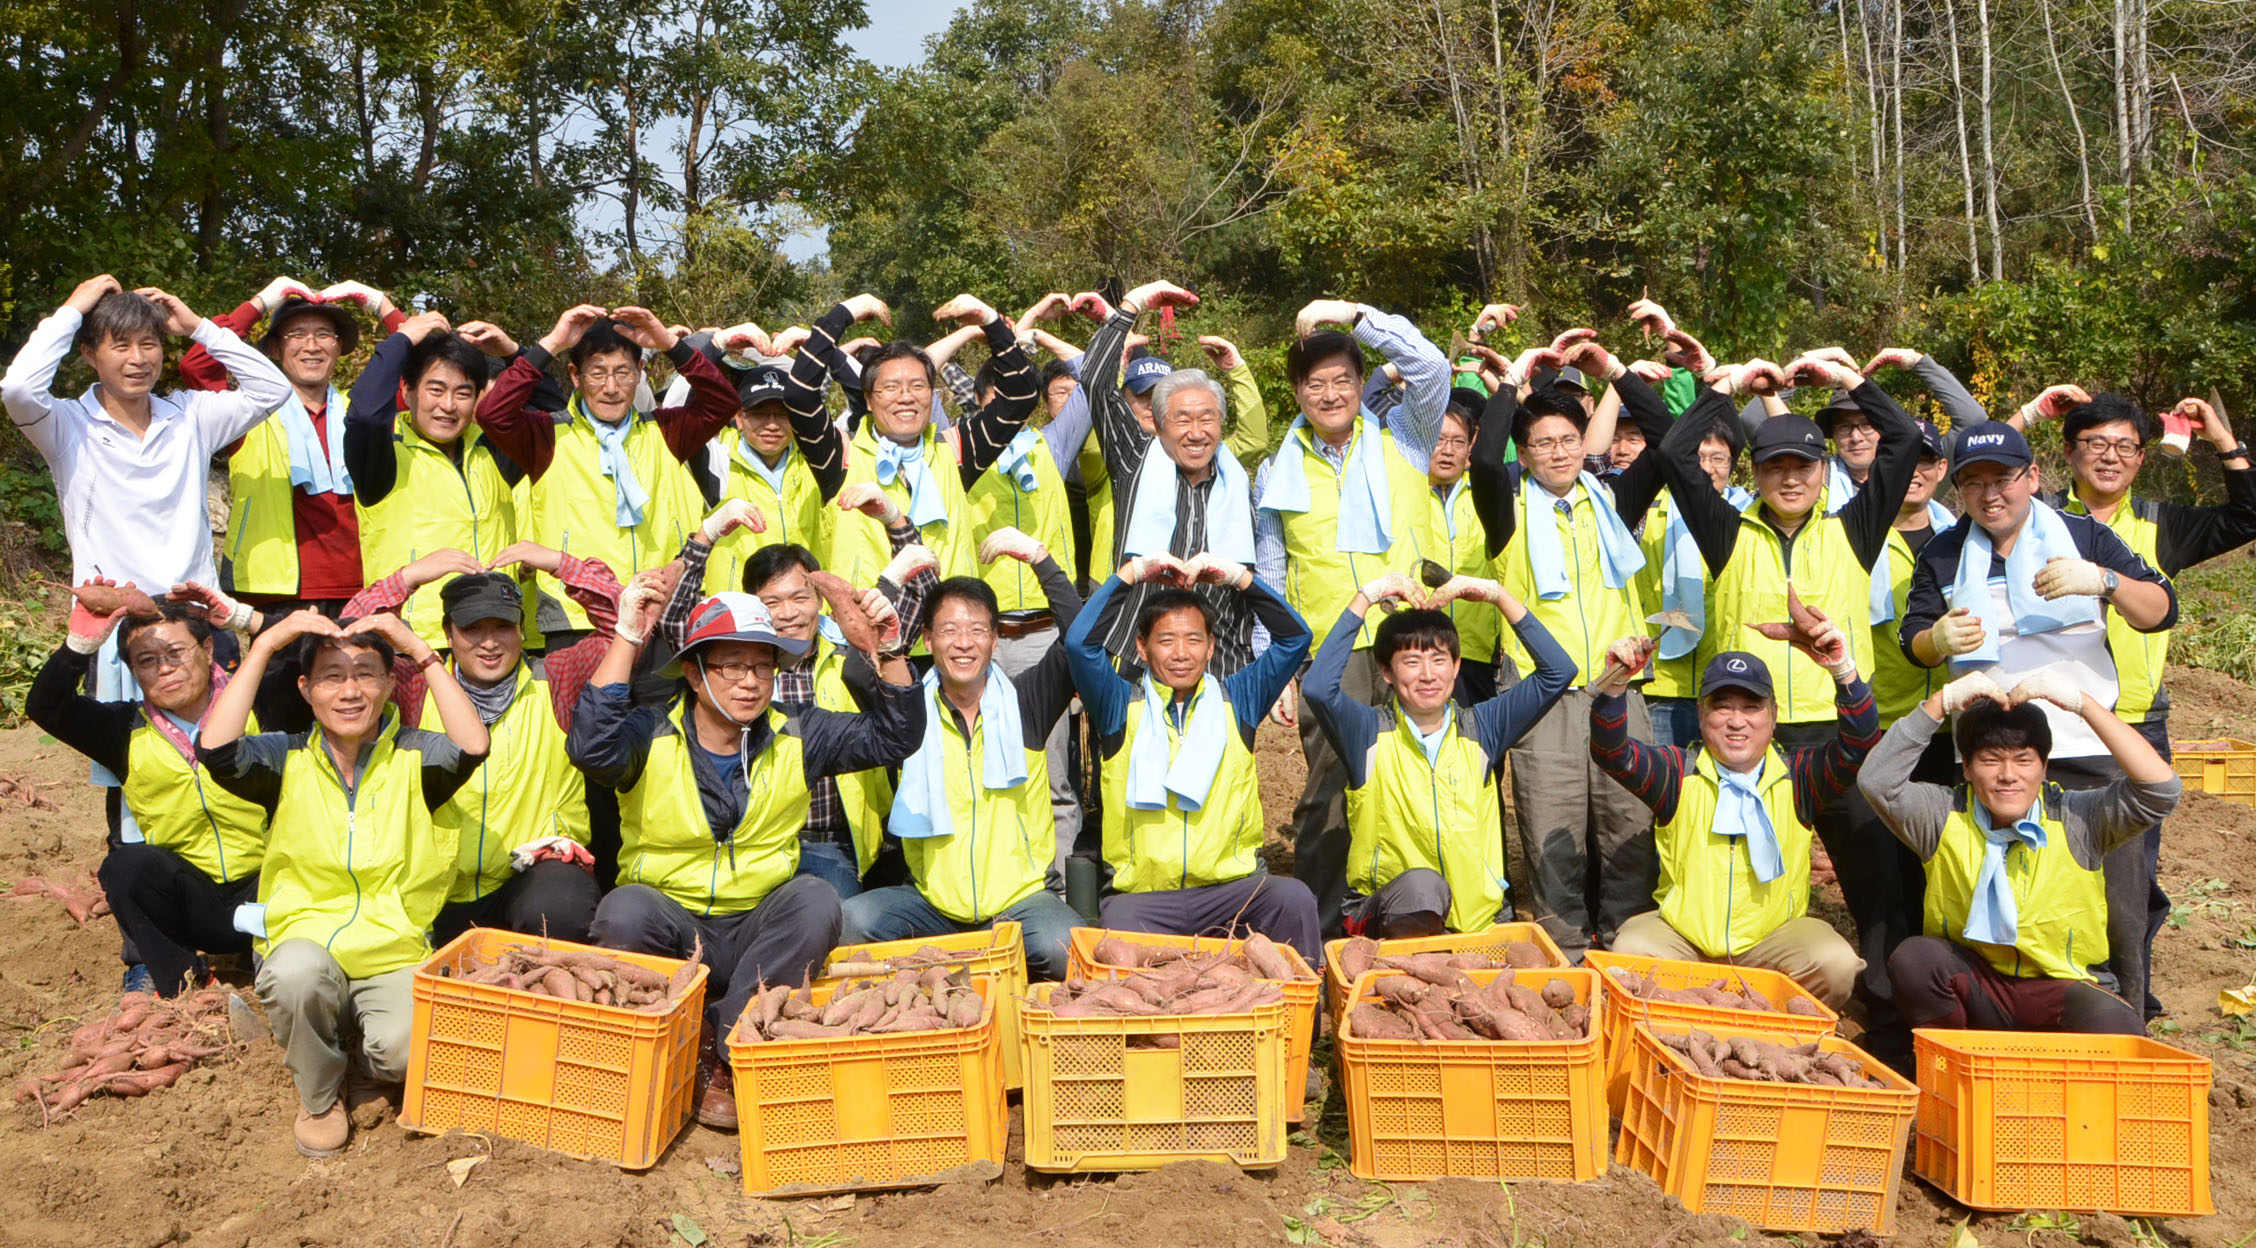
218 843
352 829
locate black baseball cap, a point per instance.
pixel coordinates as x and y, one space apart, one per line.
477 596
1736 669
1991 442
760 385
1931 440
1789 434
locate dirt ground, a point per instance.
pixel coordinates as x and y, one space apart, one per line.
209 1161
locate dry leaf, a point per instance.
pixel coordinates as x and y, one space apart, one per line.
461 1167
836 1204
2237 1001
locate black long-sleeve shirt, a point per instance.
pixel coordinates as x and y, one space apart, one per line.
1714 522
1496 481
1655 773
1045 690
102 731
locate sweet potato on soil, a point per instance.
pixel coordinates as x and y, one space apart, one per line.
147 1044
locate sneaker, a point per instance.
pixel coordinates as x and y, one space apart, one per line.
716 1090
322 1134
138 978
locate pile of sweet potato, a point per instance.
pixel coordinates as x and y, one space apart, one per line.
1436 1000
570 975
1762 1061
1204 984
1362 954
1258 956
1733 993
917 959
82 901
931 999
147 1044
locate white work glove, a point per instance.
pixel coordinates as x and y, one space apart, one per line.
736 513
884 618
1462 588
914 558
2049 684
2064 577
1392 590
1969 689
1624 660
1208 568
1007 541
1957 632
639 599
560 848
1155 570
279 289
219 609
870 498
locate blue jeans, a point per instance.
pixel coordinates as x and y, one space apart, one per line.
901 912
1676 721
832 862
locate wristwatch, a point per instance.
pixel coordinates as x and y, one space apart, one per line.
2108 581
2238 452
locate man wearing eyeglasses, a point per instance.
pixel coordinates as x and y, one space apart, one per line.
2106 438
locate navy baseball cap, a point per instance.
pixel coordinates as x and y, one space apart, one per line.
760 385
1789 434
1931 440
1736 669
1144 373
467 599
1991 442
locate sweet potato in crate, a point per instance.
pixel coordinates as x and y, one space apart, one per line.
1494 943
999 952
1796 1011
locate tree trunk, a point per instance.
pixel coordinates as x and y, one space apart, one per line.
633 198
1989 151
2075 119
1848 76
1875 124
427 111
1895 113
1965 158
221 18
361 115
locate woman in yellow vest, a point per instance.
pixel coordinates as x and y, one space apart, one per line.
973 812
432 481
2016 930
357 863
1182 805
713 789
609 482
1426 851
190 850
926 472
1734 814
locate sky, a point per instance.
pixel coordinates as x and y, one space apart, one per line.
893 39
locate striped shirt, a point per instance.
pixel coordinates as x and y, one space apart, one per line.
1655 774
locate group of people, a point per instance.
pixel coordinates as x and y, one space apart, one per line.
832 641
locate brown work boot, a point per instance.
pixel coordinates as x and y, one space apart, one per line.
322 1134
716 1088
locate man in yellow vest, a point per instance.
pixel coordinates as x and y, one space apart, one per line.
757 462
1182 805
713 790
1451 534
1734 815
431 482
973 809
2107 439
194 848
609 482
1425 853
1334 508
2016 917
2020 585
1563 546
357 863
927 473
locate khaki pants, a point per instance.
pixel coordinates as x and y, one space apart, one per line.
309 1000
1805 950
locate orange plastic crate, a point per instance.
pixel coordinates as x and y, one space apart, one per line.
2223 766
870 1112
594 1082
998 951
1624 1012
2034 1120
1489 941
1784 1156
1094 1101
1300 994
1478 1109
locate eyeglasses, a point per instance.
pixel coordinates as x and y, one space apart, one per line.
1342 386
1714 462
738 673
605 376
323 335
2120 448
1994 486
1553 446
1451 442
972 632
894 389
156 663
334 681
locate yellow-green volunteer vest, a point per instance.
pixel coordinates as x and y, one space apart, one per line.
1096 484
1320 578
1154 850
2062 928
575 508
794 516
1440 815
526 790
1041 513
859 547
1709 892
436 504
1751 589
2139 657
262 525
1898 684
180 808
864 796
1592 615
1451 534
1000 850
362 875
667 844
1677 677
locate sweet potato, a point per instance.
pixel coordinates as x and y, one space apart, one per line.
1372 1023
799 1029
1399 990
1356 956
1113 951
1525 955
1802 1006
963 1009
1269 962
1434 968
857 970
1525 999
1558 994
